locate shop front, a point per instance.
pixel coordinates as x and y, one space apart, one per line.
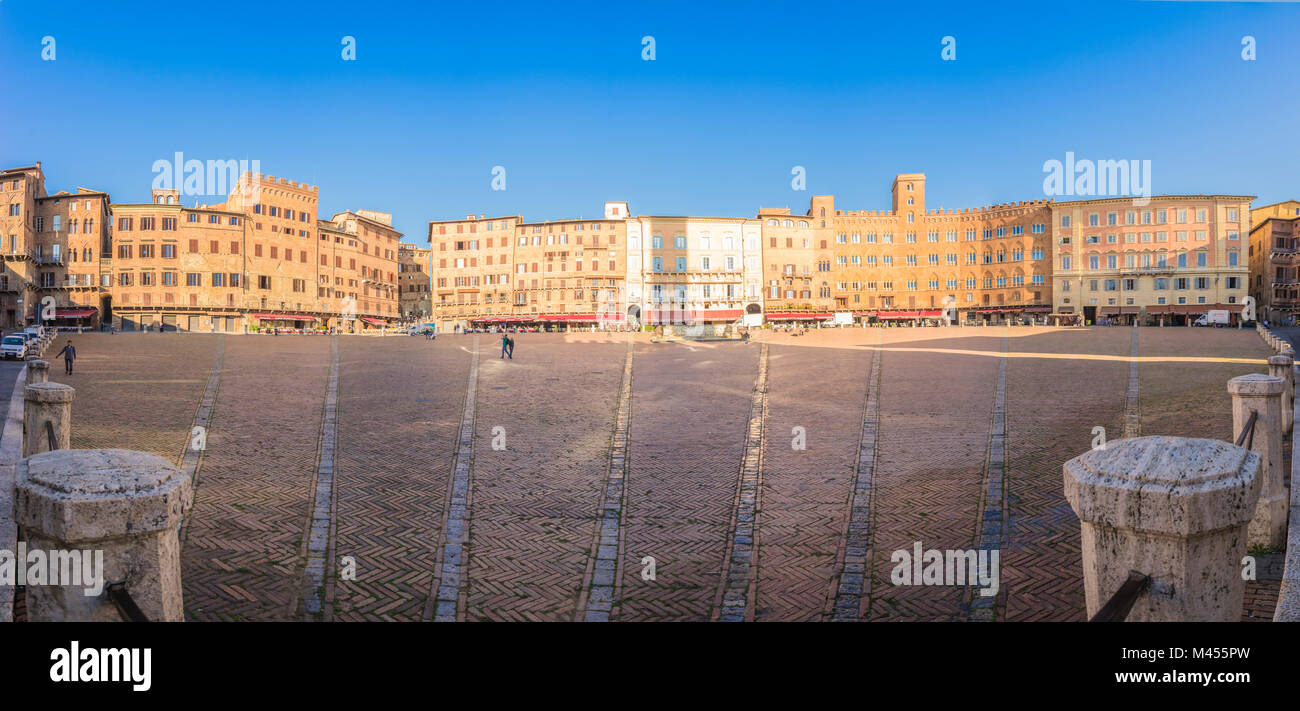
75 318
280 323
797 318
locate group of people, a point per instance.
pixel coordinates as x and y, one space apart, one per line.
507 347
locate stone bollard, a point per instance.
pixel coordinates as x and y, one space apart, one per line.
38 371
119 510
1281 366
47 402
1173 508
1258 393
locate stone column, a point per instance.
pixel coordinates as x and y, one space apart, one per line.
1258 393
119 510
1281 366
38 371
1173 508
47 402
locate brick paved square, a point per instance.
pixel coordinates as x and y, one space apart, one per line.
563 498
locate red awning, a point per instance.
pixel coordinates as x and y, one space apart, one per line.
899 314
373 321
798 316
74 312
283 317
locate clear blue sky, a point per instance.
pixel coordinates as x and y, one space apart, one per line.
558 94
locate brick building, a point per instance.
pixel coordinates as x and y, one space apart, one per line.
261 258
502 270
54 249
472 268
909 262
1275 261
797 265
414 285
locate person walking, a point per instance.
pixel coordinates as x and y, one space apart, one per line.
69 354
505 346
511 343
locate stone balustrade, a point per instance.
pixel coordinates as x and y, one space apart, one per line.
117 512
1173 508
111 515
1260 396
52 403
38 371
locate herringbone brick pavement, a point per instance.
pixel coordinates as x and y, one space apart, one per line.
1052 406
1191 399
805 492
935 411
690 407
399 406
137 391
536 502
1260 600
242 556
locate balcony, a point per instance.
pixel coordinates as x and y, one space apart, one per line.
1147 271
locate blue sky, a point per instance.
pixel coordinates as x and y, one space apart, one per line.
738 94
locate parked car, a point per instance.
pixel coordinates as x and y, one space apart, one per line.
31 335
13 346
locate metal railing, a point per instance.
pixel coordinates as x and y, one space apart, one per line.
126 607
1247 437
1118 606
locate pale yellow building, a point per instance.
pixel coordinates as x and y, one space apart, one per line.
1167 260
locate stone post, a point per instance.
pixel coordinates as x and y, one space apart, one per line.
38 371
119 511
47 402
1173 508
1258 393
1281 366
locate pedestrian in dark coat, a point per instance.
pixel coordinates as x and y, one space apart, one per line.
69 355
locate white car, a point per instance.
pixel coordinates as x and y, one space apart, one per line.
14 346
